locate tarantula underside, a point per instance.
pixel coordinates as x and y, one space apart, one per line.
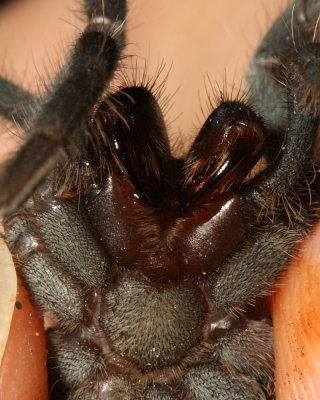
149 264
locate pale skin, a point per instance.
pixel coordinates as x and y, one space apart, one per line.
197 38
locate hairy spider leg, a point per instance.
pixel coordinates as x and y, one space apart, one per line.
16 104
116 10
56 131
284 93
277 193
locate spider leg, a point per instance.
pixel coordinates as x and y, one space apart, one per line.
214 381
248 274
258 339
56 132
251 271
16 104
295 159
113 9
275 190
268 68
296 66
236 372
61 258
41 270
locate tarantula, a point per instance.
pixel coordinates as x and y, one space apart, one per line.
151 265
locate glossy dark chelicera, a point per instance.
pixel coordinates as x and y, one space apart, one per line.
151 265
